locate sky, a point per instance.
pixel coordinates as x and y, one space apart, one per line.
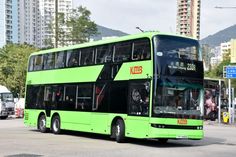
149 15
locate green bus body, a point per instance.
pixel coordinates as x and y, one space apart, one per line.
136 126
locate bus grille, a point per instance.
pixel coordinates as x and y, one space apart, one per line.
164 126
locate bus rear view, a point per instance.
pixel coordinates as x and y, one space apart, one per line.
177 108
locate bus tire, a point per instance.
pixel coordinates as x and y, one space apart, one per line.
56 124
42 123
120 131
3 117
162 140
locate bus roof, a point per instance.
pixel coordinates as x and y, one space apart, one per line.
111 40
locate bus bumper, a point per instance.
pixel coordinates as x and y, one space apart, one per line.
176 133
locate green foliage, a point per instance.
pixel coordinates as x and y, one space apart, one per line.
13 66
74 28
218 71
82 28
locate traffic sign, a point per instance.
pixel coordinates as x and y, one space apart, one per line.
230 72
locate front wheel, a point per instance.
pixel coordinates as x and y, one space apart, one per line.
56 125
42 124
120 131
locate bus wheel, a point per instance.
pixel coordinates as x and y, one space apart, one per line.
56 125
120 131
3 117
42 124
163 140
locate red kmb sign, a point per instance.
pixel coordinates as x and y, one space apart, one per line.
136 70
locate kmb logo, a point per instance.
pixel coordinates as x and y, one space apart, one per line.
136 70
182 121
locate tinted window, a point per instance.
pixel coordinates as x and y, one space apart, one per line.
139 95
70 97
176 47
72 59
31 63
141 50
34 97
104 54
118 97
122 51
101 97
60 59
49 61
38 62
87 56
84 97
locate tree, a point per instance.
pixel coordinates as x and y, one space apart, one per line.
13 66
218 71
74 28
81 27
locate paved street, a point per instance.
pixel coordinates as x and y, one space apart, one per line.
19 141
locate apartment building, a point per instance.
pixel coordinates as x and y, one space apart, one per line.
35 17
188 18
8 22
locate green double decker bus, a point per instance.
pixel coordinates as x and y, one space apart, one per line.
148 85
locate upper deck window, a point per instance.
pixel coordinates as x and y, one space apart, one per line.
38 62
87 56
72 59
49 61
104 54
31 63
122 51
60 59
141 49
177 47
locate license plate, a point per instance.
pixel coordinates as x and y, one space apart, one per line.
182 137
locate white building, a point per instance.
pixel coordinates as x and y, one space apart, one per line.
35 16
225 47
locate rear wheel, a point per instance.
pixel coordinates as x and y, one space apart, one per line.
119 131
42 124
56 125
163 140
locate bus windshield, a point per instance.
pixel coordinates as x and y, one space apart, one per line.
178 77
7 97
177 47
177 97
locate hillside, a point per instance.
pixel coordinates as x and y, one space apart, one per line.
219 37
107 32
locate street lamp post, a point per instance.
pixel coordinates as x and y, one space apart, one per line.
56 23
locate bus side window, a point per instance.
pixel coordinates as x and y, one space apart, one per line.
141 49
49 61
139 95
60 59
84 97
104 54
72 59
101 97
69 97
122 51
87 56
38 62
31 63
